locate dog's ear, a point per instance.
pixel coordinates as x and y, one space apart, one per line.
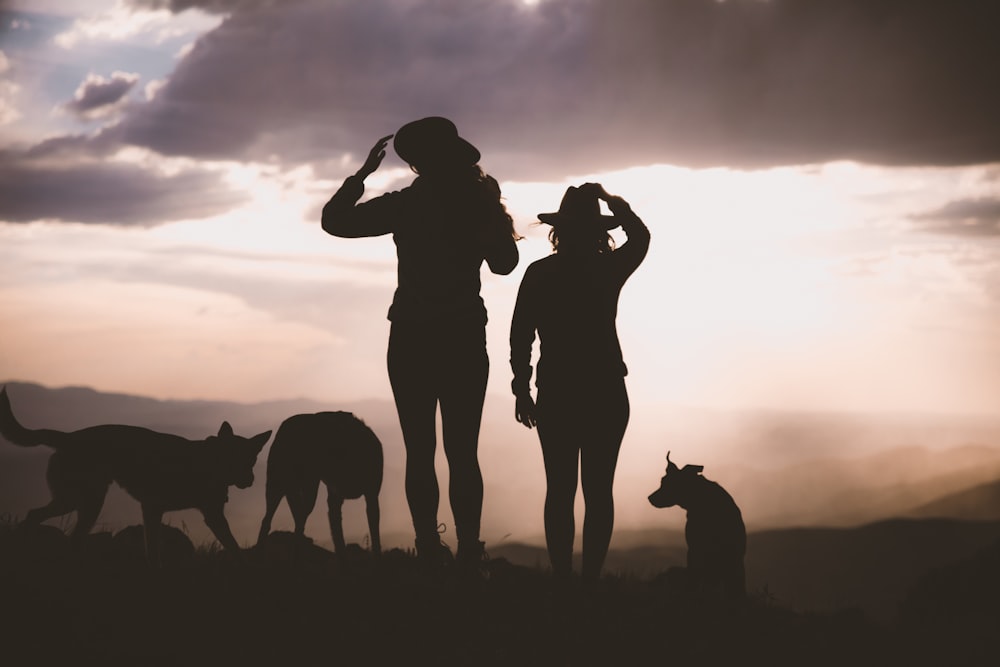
671 466
259 440
225 431
692 470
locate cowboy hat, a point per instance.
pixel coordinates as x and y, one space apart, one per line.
433 140
580 204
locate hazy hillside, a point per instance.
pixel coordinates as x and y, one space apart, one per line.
859 490
811 486
980 503
870 567
824 569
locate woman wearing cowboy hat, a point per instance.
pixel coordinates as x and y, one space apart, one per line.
570 298
445 224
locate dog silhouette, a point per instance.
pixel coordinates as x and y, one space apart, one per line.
335 448
163 472
715 533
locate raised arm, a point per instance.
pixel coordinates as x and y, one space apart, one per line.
342 216
630 254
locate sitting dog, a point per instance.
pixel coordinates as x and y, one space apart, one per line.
335 448
716 536
163 472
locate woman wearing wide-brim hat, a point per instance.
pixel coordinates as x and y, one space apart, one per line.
570 299
445 225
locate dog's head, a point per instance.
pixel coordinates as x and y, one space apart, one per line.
676 485
236 456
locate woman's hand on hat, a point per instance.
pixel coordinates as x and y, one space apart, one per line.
617 205
595 189
375 157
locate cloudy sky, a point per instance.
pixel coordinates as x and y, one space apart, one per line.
821 178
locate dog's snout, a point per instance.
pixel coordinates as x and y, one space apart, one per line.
660 499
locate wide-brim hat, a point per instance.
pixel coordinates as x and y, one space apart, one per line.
433 140
580 206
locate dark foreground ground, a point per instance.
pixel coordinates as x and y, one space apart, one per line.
291 603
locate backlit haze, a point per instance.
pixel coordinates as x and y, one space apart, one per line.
821 179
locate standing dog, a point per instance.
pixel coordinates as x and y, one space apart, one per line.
716 536
335 448
163 472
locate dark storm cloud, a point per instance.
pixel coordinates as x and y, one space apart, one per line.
98 96
969 217
311 80
44 184
578 85
211 6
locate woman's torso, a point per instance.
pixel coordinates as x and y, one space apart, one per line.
576 308
439 256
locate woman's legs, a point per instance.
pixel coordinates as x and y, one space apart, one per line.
560 452
446 364
581 429
598 460
412 379
560 494
463 391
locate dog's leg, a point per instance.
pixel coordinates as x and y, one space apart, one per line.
334 504
88 509
372 510
215 519
53 509
735 583
273 499
151 520
301 501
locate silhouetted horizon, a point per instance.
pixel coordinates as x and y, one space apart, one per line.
814 487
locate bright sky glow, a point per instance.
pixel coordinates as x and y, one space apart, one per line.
813 286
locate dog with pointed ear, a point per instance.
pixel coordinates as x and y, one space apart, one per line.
164 472
715 533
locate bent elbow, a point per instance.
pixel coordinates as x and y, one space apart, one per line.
334 222
503 264
328 222
503 268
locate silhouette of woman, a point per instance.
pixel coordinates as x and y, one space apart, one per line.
571 299
445 224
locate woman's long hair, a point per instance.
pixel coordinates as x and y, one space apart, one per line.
579 237
473 189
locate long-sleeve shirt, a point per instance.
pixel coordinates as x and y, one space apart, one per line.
442 238
571 301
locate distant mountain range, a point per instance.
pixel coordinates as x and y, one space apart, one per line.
980 502
906 481
958 482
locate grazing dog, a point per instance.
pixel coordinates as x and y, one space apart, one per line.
335 448
716 536
163 472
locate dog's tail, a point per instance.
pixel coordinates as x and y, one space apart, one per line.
12 430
